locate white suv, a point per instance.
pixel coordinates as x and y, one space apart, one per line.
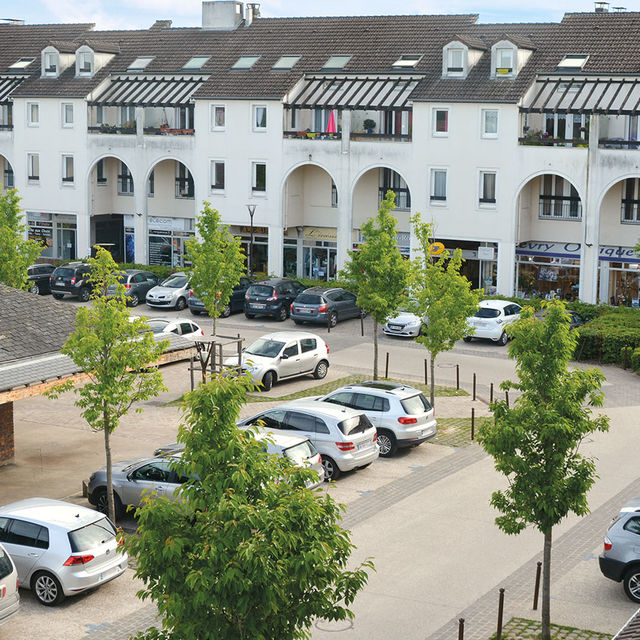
401 414
491 319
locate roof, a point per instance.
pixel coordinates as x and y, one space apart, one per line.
631 630
48 512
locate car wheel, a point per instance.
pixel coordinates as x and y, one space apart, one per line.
282 314
194 312
84 294
331 470
181 304
268 380
387 443
249 316
58 296
47 588
34 288
134 300
321 370
333 319
467 338
102 505
632 583
226 312
503 339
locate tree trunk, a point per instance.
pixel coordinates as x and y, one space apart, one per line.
433 374
214 318
546 587
375 349
107 450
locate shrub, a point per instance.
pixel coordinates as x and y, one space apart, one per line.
606 337
635 360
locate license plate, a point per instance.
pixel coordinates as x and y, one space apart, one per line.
258 306
306 310
395 327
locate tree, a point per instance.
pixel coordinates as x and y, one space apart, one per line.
16 253
247 551
377 272
443 296
535 442
115 353
217 263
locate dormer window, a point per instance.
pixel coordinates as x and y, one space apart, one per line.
84 63
408 60
50 63
455 61
22 63
504 61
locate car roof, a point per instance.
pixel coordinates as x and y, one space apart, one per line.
279 438
290 335
274 281
48 512
327 409
496 304
385 388
318 289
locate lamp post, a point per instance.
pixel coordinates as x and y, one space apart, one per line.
252 210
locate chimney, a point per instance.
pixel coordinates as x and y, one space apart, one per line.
253 11
161 24
223 15
602 7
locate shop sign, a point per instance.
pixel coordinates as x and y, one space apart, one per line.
436 248
320 233
486 253
549 249
618 254
262 231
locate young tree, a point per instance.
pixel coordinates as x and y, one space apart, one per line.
217 262
247 551
16 253
116 354
377 272
535 442
443 296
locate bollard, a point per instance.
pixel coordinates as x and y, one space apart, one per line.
386 366
474 386
362 325
506 397
473 423
328 322
491 393
461 629
500 613
191 373
536 591
457 376
425 372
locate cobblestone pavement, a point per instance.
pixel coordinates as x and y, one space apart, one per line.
521 629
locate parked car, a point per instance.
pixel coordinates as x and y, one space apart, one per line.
9 596
180 326
325 305
345 438
271 297
284 354
236 301
405 323
172 293
60 549
575 319
401 414
136 283
39 278
491 318
620 558
71 279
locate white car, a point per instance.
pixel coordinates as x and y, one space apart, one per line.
172 293
9 596
491 318
405 323
180 326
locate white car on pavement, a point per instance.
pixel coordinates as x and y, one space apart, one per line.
180 326
9 596
405 324
491 318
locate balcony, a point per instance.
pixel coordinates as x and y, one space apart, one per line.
560 208
630 211
403 197
127 130
6 127
544 139
311 135
165 130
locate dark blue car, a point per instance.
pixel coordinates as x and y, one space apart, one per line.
236 301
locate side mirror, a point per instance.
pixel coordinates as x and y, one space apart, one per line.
284 356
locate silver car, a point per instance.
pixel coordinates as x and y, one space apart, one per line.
9 596
284 354
172 293
404 324
345 438
60 549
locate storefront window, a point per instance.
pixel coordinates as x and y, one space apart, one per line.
290 258
619 283
167 237
320 260
56 234
541 277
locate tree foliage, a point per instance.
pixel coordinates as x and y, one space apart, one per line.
535 442
115 353
247 551
377 272
16 253
443 296
217 262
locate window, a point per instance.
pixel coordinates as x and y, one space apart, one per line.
184 182
291 350
572 62
196 63
27 534
84 63
489 123
9 180
33 114
367 402
67 115
559 199
440 122
218 117
101 174
297 421
33 167
50 64
151 184
631 201
21 63
67 169
455 60
99 115
334 194
271 419
285 63
244 63
504 61
409 60
217 175
127 116
307 344
632 525
336 62
487 187
154 472
259 182
259 118
140 64
438 185
125 181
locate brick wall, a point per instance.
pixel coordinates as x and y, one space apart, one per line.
6 433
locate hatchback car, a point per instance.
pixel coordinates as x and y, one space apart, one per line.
575 319
345 438
405 323
39 278
284 354
136 285
236 300
171 293
491 319
401 414
271 298
324 305
9 583
71 279
179 326
60 549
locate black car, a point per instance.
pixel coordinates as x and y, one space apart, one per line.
271 297
236 301
39 278
325 305
71 279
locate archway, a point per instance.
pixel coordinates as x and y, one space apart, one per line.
6 174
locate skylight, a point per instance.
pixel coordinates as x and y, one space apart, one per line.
196 63
409 60
285 63
22 63
245 62
573 61
336 62
140 64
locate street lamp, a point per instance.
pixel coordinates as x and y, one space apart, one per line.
252 210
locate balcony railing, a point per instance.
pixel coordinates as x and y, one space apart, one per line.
560 208
618 143
312 135
543 140
111 128
393 137
630 212
166 131
6 127
403 197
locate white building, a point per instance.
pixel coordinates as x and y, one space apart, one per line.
520 142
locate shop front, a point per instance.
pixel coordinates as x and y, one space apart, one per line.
479 264
55 232
310 252
260 250
167 238
618 275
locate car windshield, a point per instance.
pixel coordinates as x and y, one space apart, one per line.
260 290
300 453
157 326
408 306
5 565
175 282
91 535
309 298
484 312
357 424
265 347
415 405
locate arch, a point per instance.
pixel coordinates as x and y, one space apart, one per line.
106 156
154 163
377 165
302 164
8 164
537 174
612 184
